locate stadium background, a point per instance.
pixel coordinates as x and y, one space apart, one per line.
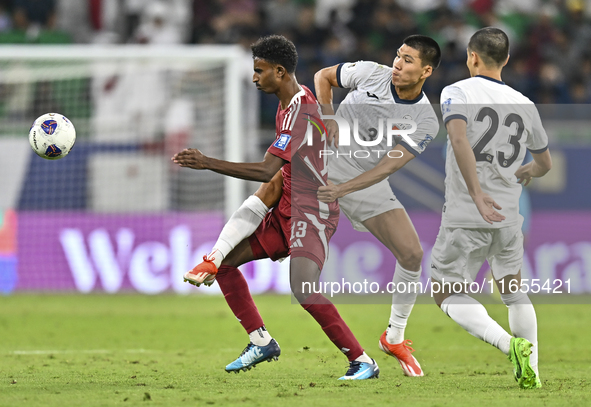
116 216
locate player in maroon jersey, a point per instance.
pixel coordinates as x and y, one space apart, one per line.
299 225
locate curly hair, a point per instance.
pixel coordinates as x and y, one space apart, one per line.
276 49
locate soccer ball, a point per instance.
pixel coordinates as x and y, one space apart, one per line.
52 136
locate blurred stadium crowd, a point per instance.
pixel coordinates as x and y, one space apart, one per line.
550 51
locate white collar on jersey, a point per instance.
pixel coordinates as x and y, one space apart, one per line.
301 92
405 101
490 79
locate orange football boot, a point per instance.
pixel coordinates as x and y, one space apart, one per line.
403 353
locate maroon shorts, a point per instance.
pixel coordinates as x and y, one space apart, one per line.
304 235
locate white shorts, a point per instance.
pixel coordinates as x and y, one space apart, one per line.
459 253
362 205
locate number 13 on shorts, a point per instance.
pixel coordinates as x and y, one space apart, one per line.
298 229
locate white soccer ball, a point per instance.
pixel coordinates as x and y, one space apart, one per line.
52 136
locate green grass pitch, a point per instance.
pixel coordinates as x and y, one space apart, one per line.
102 350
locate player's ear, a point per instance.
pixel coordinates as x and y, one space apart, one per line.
280 71
427 71
469 57
507 60
476 61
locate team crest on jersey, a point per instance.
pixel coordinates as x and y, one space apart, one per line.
282 142
446 106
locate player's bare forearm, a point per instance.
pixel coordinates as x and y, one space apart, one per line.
386 167
544 160
324 80
456 129
539 167
262 171
541 164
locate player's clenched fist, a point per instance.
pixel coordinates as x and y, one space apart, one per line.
328 193
192 158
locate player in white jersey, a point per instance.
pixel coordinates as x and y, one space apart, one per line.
382 98
489 126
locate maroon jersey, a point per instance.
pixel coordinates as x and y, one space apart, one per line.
306 169
300 225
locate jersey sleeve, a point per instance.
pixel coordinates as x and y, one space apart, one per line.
537 139
352 74
427 129
453 104
281 147
294 127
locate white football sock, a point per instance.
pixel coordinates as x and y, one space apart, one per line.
260 337
364 358
472 316
241 224
402 302
523 322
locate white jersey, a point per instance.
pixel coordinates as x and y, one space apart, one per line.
373 98
501 123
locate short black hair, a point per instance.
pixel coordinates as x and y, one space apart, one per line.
429 50
491 45
276 49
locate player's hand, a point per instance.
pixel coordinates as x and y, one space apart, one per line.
332 134
486 206
523 175
329 193
191 158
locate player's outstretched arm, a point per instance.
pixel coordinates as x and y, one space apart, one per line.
324 80
388 165
262 171
456 129
541 164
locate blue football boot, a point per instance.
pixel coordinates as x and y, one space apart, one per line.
253 355
361 371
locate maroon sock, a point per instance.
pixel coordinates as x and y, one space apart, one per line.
238 297
326 314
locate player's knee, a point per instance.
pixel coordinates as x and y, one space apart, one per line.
517 297
302 288
306 281
411 258
300 292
